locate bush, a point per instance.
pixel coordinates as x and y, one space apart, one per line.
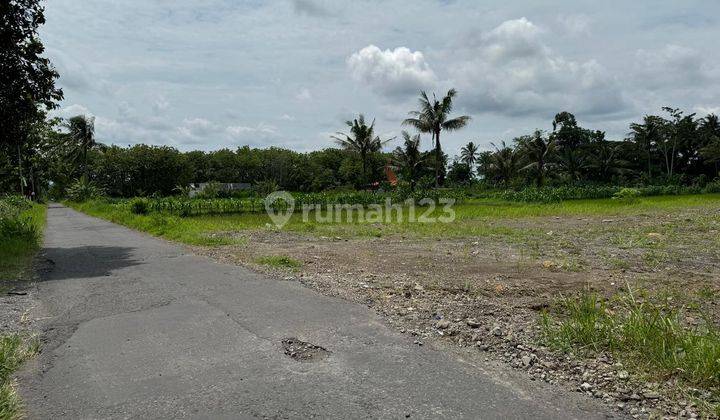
712 187
13 224
266 187
139 206
211 190
627 195
83 190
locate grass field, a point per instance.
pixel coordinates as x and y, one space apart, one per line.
473 219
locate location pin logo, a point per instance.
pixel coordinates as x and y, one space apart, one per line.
279 205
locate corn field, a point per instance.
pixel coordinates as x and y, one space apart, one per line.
199 206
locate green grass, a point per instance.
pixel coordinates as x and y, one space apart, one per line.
21 225
17 249
645 334
279 261
14 350
474 218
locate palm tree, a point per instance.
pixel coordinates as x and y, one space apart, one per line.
537 149
647 136
504 163
361 140
606 160
409 158
468 154
81 139
433 117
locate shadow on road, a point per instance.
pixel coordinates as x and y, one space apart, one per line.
83 261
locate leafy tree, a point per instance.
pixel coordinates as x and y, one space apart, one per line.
710 131
460 172
27 81
361 140
569 140
434 117
409 159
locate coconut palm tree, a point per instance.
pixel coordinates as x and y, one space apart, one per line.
361 140
81 140
504 163
434 117
606 160
409 159
537 150
468 154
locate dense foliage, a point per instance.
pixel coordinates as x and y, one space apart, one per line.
13 222
677 149
27 91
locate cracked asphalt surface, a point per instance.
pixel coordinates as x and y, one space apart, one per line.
136 327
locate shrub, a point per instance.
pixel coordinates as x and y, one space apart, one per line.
266 187
12 222
627 195
83 190
211 190
139 206
712 187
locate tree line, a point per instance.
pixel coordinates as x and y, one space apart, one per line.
38 153
673 148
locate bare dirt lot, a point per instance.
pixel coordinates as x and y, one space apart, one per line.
487 293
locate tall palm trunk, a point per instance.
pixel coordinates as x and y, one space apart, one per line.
363 158
20 176
438 158
541 169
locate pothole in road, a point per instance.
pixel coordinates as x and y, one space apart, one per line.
302 351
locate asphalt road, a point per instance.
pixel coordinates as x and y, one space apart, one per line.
136 327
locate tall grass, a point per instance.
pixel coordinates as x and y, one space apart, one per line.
21 224
14 350
643 334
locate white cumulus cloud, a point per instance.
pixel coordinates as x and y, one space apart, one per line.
509 70
391 72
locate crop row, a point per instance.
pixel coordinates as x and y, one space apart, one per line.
193 207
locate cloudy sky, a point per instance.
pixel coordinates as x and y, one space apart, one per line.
225 73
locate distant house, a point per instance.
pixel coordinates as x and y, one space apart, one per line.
197 188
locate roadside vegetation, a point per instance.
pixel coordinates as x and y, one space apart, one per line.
647 334
21 225
279 261
15 349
